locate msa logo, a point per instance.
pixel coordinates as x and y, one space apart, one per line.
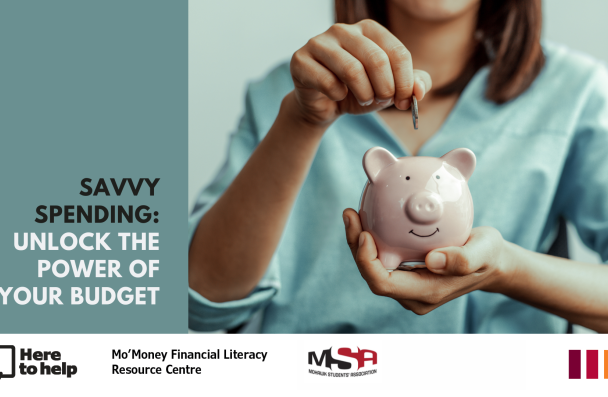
345 361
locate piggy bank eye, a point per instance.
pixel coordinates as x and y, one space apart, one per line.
407 178
437 176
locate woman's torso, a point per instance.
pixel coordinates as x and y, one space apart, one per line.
521 148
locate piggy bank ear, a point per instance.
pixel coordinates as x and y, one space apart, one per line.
374 160
463 159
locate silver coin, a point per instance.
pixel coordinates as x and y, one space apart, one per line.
415 112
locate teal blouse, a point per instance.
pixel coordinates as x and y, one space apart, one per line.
542 155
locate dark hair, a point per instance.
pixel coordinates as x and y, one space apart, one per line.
508 39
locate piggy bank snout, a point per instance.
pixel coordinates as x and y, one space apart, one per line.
424 208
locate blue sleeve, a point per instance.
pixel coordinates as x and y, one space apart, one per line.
204 315
583 191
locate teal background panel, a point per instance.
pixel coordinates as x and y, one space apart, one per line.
94 89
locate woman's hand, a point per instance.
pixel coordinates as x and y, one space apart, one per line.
353 69
451 271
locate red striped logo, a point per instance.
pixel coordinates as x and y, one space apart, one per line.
592 360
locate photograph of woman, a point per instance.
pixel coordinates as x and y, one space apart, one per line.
276 238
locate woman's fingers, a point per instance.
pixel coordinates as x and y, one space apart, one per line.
400 61
452 271
419 291
365 59
310 74
397 284
364 251
377 63
345 66
371 268
352 224
374 65
422 84
480 249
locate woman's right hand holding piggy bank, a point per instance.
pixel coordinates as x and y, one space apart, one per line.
353 69
483 263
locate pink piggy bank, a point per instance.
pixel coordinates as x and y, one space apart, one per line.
413 205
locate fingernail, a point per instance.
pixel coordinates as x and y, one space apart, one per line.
383 102
365 103
436 261
404 104
389 103
346 220
361 239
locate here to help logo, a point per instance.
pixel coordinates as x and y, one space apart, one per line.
7 361
33 363
343 362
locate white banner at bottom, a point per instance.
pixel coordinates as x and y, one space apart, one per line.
214 364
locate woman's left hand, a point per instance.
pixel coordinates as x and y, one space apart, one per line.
451 271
